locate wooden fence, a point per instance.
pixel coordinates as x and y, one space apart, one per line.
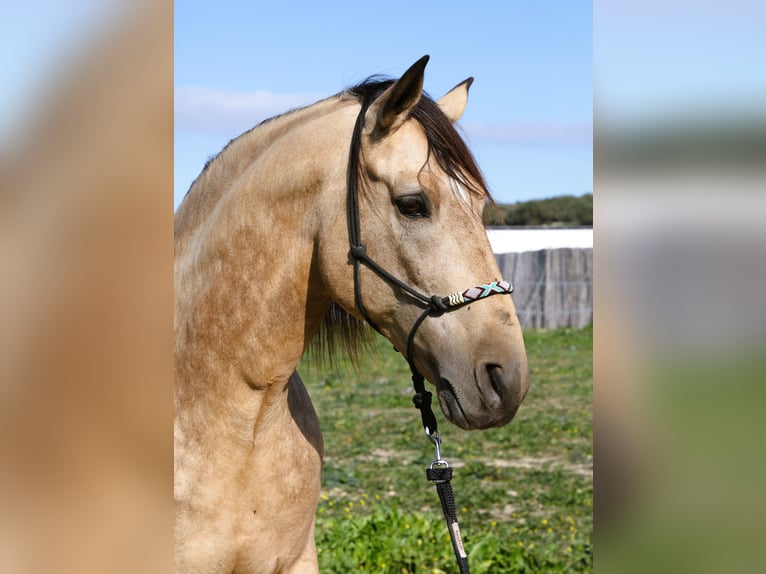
551 287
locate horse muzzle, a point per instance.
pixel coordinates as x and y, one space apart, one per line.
490 399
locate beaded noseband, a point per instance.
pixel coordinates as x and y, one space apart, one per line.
435 305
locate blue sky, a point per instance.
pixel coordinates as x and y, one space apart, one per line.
529 118
530 111
661 61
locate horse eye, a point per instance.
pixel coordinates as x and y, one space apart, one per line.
412 206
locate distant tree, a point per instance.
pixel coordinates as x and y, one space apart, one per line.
554 211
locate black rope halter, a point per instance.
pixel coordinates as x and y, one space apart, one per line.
439 471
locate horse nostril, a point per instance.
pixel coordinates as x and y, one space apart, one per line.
495 373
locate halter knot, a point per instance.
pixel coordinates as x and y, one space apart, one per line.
422 400
438 307
358 251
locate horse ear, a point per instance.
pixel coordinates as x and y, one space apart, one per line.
390 110
453 102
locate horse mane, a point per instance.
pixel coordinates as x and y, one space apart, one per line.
340 331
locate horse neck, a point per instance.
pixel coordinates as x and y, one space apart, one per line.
248 293
217 177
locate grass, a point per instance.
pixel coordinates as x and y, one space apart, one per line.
523 491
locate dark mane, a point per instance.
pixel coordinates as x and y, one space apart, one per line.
339 329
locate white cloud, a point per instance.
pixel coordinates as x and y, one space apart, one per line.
229 112
538 133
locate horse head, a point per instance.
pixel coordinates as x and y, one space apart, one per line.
415 227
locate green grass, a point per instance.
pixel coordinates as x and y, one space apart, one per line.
523 491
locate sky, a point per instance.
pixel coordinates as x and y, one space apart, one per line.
660 61
529 116
529 119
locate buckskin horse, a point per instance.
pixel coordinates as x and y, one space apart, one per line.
347 211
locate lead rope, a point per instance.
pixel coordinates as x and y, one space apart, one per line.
439 472
441 476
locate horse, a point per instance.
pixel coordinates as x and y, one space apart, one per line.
272 248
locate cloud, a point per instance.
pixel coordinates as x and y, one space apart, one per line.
229 112
531 133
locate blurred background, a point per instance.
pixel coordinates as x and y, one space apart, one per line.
86 172
86 295
680 211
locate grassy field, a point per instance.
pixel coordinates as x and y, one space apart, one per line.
524 491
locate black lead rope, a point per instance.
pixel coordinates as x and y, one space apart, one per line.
439 472
441 476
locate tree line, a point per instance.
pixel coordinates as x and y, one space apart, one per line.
564 210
